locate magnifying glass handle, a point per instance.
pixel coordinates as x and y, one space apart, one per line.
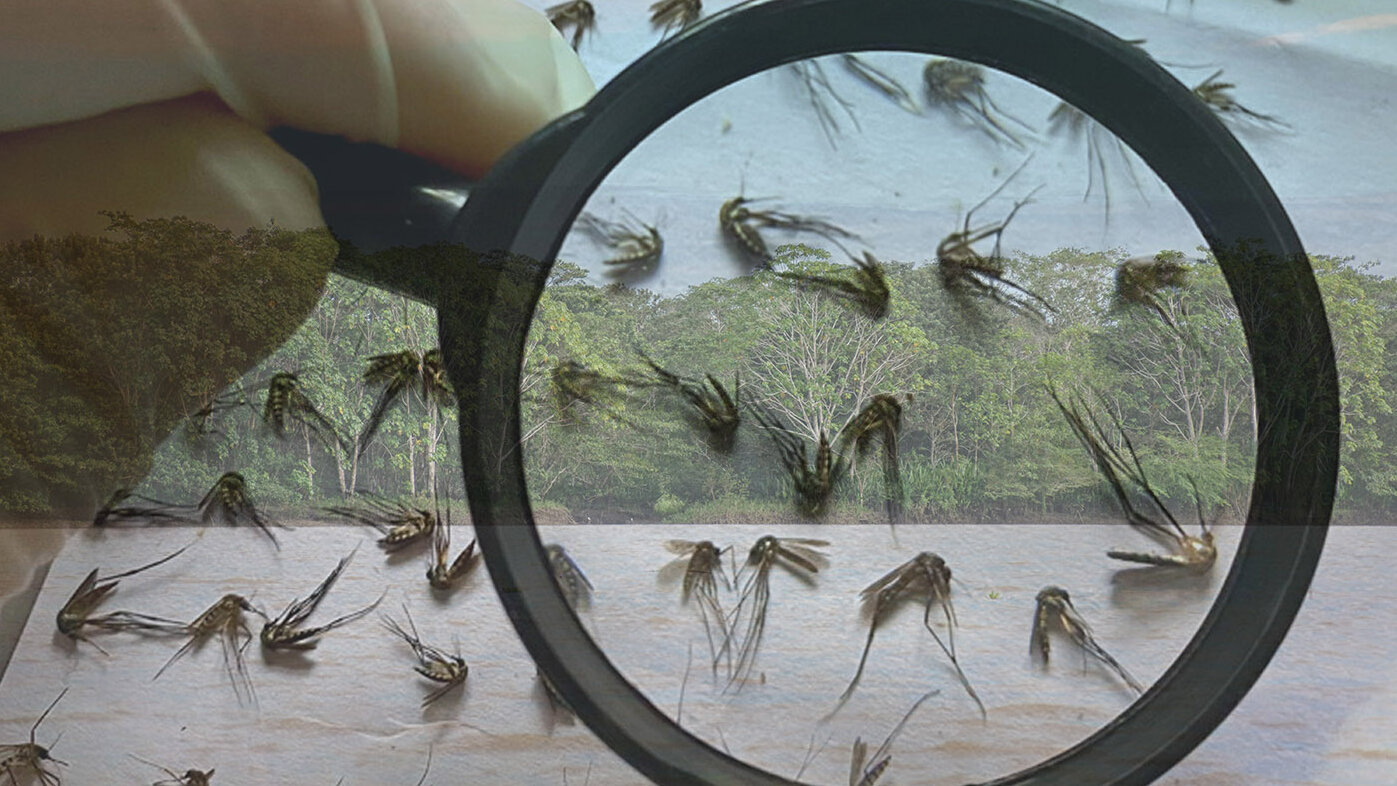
377 200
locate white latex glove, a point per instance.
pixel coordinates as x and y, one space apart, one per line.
157 108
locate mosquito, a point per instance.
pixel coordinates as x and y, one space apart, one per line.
200 422
741 224
1197 552
1054 604
965 271
190 777
441 574
402 373
717 411
798 555
960 87
1139 280
925 575
576 589
820 92
637 251
577 14
434 664
865 770
1069 121
76 613
881 81
675 14
881 420
866 287
813 485
1217 96
397 523
224 618
285 400
702 564
116 510
574 383
30 756
230 502
285 632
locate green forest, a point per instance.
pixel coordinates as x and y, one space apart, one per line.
981 439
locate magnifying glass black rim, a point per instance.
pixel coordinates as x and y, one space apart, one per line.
519 214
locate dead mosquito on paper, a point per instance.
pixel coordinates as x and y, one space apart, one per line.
865 287
401 375
432 663
675 14
224 618
576 589
865 770
191 777
126 505
960 88
29 757
799 555
881 420
702 566
1055 607
577 14
638 250
285 632
1140 280
924 576
286 401
813 485
741 223
229 501
966 272
1197 552
76 613
716 411
398 524
442 571
820 92
881 81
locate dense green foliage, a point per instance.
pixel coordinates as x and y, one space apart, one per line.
980 437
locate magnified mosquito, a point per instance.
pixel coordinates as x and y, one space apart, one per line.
881 420
76 613
1070 122
813 485
577 590
1217 96
740 223
964 271
151 510
820 92
638 251
285 632
29 757
795 554
190 777
866 288
1055 605
675 14
441 574
397 523
573 383
577 14
1196 552
960 87
286 400
1139 280
865 770
403 373
702 564
717 412
925 575
230 502
881 81
435 664
199 424
224 618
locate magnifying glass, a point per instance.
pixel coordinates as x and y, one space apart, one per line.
508 235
